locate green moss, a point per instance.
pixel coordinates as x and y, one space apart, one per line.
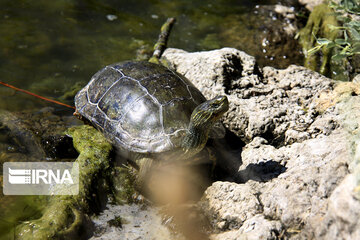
65 216
123 185
116 222
15 209
70 94
318 26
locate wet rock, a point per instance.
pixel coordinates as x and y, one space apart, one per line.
268 34
318 26
65 216
297 126
18 138
38 135
123 189
58 147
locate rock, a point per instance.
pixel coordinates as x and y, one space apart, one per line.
286 12
231 204
65 216
293 197
267 33
254 228
310 4
274 104
212 71
18 138
356 79
314 169
297 127
38 135
342 217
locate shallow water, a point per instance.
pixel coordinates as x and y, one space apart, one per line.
48 47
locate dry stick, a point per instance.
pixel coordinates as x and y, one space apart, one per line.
35 95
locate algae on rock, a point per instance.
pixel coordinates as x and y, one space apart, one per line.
318 26
65 216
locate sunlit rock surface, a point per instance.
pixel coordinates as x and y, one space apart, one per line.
300 132
310 4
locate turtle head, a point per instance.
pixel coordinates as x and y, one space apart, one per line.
207 113
202 119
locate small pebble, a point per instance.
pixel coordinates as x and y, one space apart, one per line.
111 17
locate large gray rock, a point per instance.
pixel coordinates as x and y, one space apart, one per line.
295 198
274 104
301 134
342 217
212 71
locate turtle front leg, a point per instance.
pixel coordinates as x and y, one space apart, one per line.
145 165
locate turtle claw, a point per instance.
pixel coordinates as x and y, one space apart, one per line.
140 199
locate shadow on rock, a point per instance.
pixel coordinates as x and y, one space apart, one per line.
260 172
228 156
229 161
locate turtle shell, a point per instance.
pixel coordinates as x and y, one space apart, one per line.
140 106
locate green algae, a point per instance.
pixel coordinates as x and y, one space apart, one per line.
319 26
71 92
65 216
16 209
211 41
116 222
123 185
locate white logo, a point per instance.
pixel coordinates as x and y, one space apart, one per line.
33 176
41 178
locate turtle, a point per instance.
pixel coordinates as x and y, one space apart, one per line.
150 112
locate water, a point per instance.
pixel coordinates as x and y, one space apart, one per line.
48 47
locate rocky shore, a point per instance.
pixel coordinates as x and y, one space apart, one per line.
297 176
288 167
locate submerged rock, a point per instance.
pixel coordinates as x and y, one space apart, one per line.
36 136
268 33
300 130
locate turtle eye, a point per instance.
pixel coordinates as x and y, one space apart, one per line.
215 105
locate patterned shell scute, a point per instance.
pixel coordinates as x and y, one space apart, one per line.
140 106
